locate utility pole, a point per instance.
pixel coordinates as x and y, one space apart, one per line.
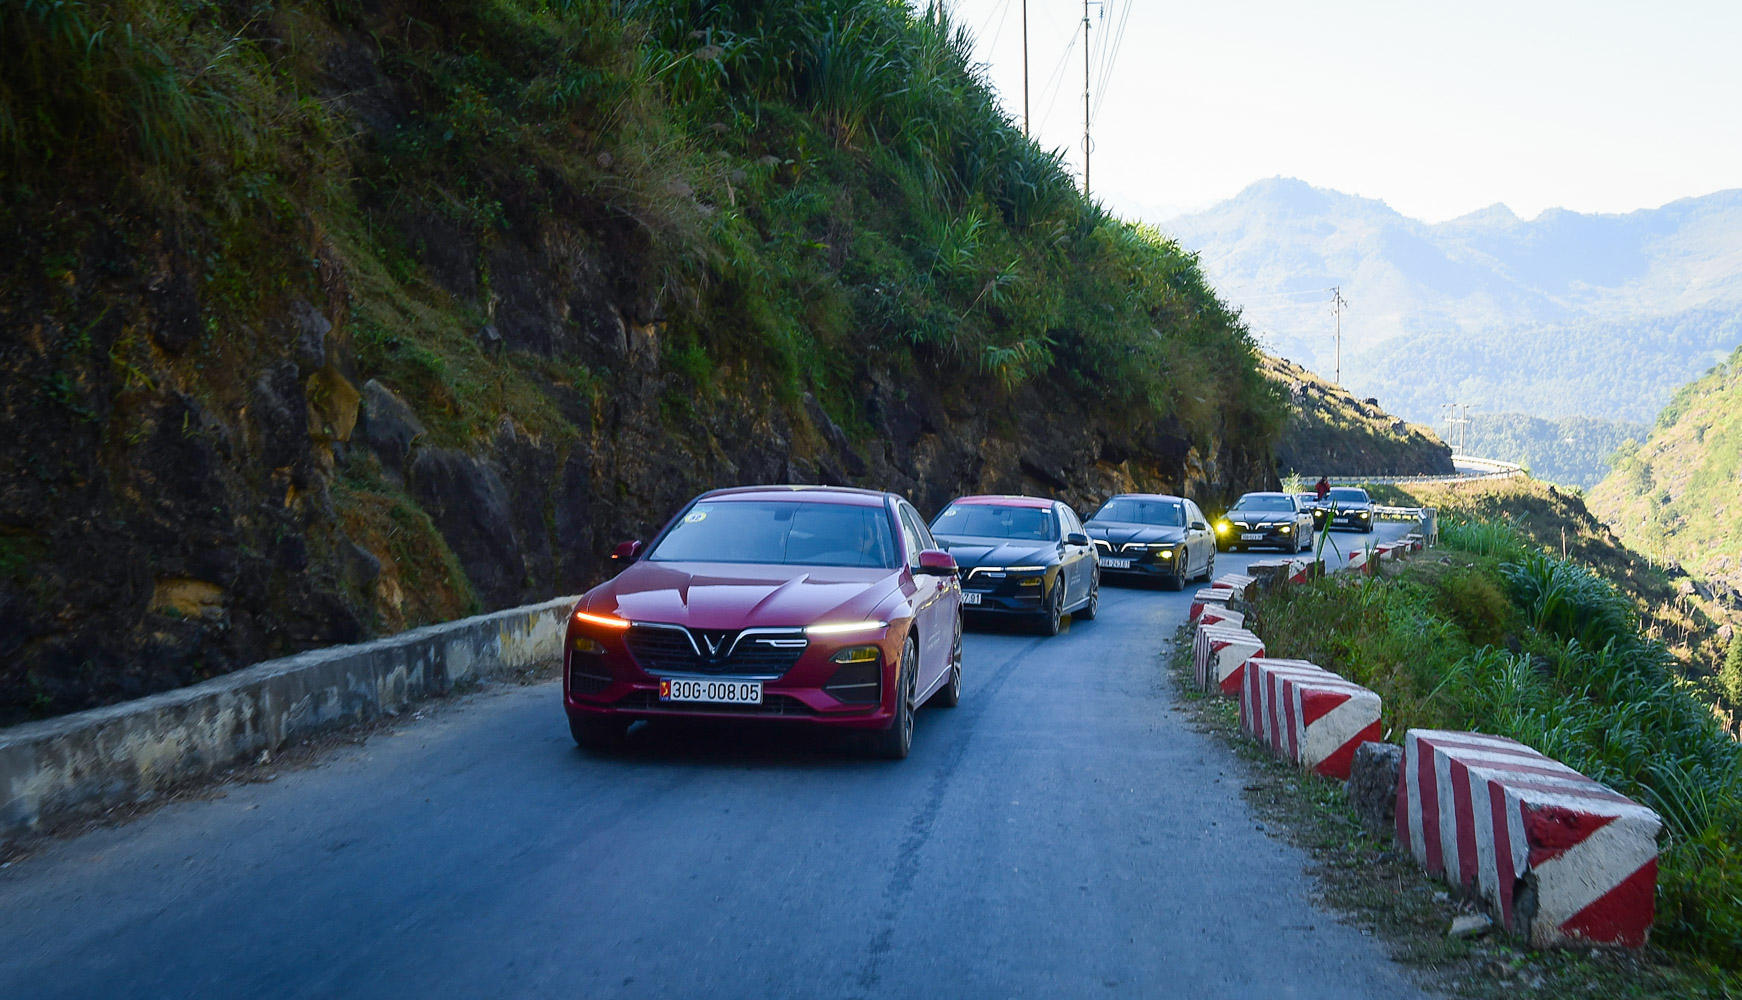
1460 422
1025 69
1086 98
1336 307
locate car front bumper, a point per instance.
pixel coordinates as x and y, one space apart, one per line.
1268 534
613 685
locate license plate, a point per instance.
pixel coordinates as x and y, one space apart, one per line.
1252 536
1115 563
727 692
969 597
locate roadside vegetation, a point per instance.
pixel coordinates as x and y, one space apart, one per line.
1516 634
1677 494
592 236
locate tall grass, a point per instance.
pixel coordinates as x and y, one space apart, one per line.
1544 651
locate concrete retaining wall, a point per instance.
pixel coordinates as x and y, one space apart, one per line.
82 764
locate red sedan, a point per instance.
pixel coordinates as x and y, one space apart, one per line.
819 605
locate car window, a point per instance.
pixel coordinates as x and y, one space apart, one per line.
926 541
987 520
1130 510
1193 514
910 534
1258 502
1069 517
1346 495
779 531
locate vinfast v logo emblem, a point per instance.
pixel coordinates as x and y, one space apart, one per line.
713 641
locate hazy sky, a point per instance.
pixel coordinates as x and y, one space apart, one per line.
1437 108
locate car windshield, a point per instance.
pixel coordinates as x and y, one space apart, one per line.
984 520
1128 510
1264 503
1349 496
780 532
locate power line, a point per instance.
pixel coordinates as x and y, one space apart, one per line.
1112 57
1057 74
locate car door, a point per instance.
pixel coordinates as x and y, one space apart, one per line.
1199 541
1080 558
932 623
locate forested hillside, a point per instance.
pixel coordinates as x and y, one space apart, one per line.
1613 369
1678 495
324 319
1572 451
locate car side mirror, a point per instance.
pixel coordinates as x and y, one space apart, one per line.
936 562
626 553
1077 538
1200 526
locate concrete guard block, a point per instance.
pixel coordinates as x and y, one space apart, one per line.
1307 715
1561 859
1219 654
1216 597
84 763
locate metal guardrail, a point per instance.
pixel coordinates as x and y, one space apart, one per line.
1470 469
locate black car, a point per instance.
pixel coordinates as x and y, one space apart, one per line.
1153 535
1350 507
1021 556
1277 519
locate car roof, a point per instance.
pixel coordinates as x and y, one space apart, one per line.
1265 493
846 495
1145 496
1004 500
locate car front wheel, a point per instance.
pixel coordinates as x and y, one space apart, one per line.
950 695
895 742
1053 617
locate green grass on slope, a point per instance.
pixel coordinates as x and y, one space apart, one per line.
1678 495
1505 638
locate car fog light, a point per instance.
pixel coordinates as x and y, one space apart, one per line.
588 646
1222 527
1165 554
1287 528
1032 581
858 654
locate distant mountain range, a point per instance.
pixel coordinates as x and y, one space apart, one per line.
1567 314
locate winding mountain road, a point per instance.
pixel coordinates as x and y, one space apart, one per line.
1061 834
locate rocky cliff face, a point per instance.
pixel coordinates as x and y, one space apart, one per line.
161 525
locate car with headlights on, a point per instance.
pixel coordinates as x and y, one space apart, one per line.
1350 507
1153 536
1270 519
1025 556
817 606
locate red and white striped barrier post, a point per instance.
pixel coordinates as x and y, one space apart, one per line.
1245 587
1215 596
1307 715
1299 570
1561 858
1219 654
1217 615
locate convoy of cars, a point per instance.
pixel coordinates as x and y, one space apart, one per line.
843 609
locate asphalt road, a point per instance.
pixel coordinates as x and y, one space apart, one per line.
1061 834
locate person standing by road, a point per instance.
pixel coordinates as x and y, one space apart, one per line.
1322 488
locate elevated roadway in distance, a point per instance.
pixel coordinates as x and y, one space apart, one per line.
1061 834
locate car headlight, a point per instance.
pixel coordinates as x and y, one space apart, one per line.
588 647
1287 528
1221 527
1364 514
858 654
845 628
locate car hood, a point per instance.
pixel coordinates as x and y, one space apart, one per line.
970 552
739 595
1261 517
1118 533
